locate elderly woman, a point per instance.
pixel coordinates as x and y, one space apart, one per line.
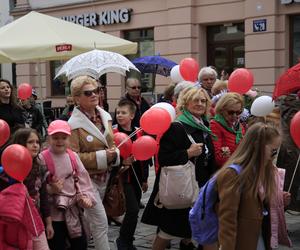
9 110
176 148
92 138
226 126
207 77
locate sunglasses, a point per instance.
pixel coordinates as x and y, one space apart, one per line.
89 93
232 112
274 152
135 87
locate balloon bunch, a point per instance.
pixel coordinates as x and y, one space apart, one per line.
187 70
16 159
154 121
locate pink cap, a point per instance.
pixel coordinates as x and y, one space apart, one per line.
59 126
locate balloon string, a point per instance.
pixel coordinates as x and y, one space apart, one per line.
131 135
32 219
297 164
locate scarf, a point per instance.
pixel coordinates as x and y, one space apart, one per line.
187 118
238 133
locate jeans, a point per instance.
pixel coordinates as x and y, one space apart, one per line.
132 197
97 219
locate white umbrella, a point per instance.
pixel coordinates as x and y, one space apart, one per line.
96 63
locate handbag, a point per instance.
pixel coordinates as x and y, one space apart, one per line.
114 198
178 187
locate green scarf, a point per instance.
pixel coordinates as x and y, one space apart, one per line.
187 117
238 133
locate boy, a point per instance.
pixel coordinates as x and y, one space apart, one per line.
134 177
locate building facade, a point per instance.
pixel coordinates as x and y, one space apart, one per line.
263 36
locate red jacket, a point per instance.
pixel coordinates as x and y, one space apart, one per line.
225 139
19 219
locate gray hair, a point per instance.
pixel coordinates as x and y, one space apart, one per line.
181 86
207 71
78 82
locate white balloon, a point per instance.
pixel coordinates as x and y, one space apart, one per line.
168 107
175 74
262 106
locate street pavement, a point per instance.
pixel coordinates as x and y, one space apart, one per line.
145 234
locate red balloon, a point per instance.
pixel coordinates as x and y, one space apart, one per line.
16 161
126 147
144 148
4 132
189 69
240 81
24 91
155 121
295 128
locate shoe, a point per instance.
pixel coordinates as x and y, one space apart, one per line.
189 246
142 206
117 223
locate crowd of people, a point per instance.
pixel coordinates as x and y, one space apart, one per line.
73 167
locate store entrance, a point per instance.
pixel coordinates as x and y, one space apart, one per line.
225 47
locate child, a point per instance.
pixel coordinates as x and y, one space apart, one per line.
134 177
69 187
35 183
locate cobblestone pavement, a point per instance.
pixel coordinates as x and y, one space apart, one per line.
145 234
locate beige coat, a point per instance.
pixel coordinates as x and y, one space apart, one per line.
88 141
240 215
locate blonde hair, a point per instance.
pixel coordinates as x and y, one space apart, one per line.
227 100
218 86
78 83
250 155
190 94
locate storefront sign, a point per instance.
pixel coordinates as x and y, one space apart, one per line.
289 1
260 25
103 18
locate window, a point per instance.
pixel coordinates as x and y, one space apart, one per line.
294 40
59 86
145 40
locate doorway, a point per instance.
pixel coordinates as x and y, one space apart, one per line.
226 49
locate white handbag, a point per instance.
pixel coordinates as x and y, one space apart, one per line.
178 187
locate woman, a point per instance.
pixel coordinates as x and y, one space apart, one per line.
9 110
176 148
92 139
250 213
207 77
226 126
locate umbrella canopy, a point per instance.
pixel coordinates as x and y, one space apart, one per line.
36 36
96 63
288 82
154 64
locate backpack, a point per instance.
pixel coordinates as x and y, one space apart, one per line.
203 218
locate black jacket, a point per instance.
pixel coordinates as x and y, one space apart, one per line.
13 116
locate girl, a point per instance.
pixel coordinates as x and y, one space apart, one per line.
251 207
70 189
35 182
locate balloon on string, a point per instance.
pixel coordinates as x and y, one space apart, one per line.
16 161
155 121
175 74
189 69
295 128
262 106
168 107
24 91
126 144
240 81
4 132
144 148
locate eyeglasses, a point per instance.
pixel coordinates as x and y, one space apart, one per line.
274 152
135 87
232 112
89 93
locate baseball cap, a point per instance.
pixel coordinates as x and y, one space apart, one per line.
59 126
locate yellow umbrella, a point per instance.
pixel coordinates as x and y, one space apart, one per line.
37 37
